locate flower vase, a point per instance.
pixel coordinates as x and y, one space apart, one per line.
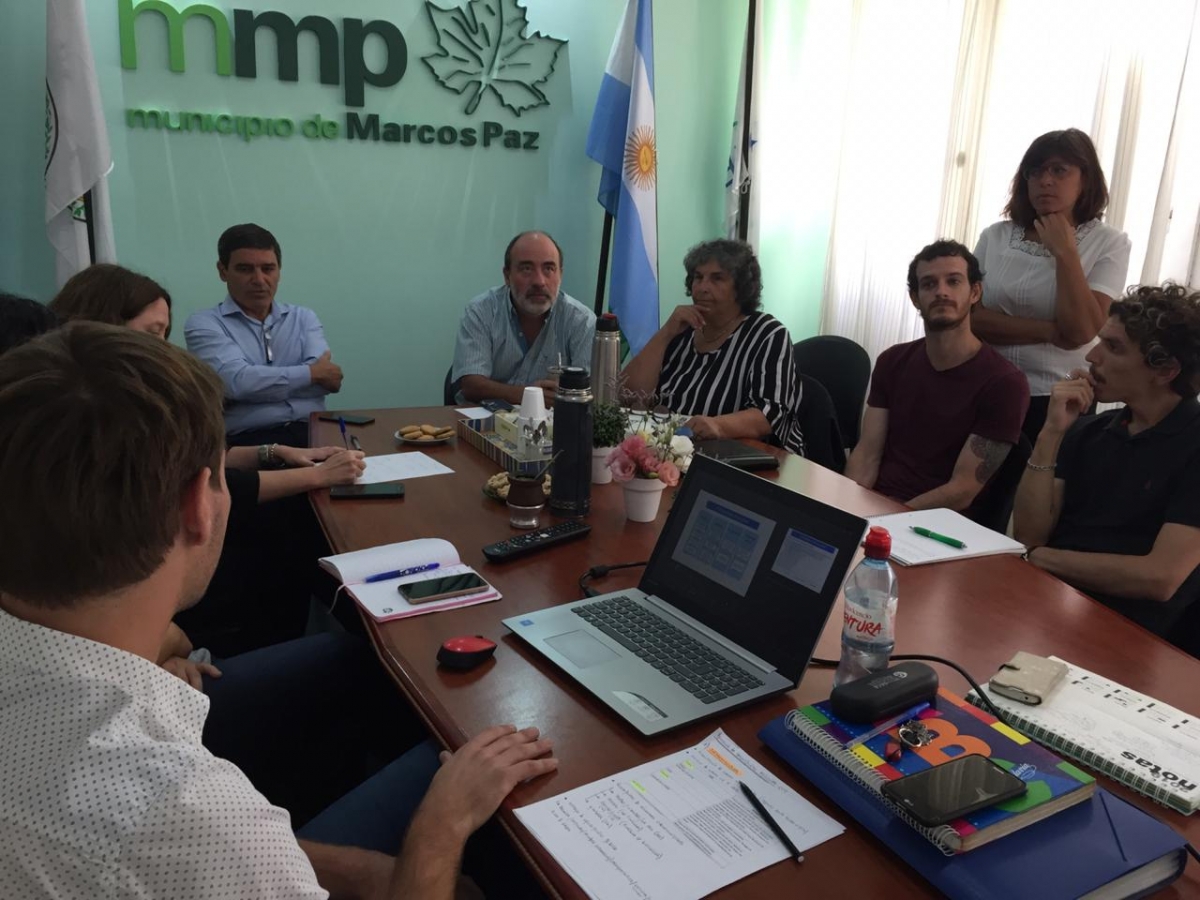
601 473
642 496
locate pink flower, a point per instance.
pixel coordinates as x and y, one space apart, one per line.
668 472
633 445
647 463
621 465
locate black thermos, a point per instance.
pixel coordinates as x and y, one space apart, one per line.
571 483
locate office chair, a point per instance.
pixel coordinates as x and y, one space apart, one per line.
844 369
995 507
448 389
818 421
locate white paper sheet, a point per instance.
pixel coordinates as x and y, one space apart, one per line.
677 828
911 549
400 466
475 412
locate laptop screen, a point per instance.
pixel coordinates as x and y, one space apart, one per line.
750 559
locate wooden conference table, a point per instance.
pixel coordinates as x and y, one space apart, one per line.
976 612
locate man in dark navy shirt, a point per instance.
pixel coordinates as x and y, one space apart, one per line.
1111 503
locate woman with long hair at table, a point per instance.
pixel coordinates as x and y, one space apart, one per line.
1051 267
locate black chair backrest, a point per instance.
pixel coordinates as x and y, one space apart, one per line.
994 508
818 420
844 368
448 398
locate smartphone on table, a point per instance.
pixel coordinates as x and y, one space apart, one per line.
349 420
442 588
383 491
953 789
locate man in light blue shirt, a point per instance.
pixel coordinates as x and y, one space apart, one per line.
511 335
272 357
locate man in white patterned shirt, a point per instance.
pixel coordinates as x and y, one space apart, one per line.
115 508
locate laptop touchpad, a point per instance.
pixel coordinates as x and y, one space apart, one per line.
581 648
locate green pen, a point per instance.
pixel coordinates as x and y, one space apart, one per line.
934 536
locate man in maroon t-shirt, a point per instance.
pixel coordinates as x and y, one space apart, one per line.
943 411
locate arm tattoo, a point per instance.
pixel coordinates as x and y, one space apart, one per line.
991 454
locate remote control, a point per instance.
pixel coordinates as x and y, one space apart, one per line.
503 551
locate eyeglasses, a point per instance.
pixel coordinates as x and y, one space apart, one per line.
1058 171
267 345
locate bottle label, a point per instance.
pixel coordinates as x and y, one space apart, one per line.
860 623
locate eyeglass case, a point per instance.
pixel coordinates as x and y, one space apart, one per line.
874 697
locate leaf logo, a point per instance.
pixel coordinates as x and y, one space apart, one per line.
484 46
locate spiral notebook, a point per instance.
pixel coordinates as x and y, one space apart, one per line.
1141 742
1053 783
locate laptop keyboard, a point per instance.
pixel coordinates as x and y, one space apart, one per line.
687 662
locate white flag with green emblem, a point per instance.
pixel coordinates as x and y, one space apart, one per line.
77 152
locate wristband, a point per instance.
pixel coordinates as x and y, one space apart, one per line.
264 456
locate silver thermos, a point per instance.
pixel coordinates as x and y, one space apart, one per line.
606 359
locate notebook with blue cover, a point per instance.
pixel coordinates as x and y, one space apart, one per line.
1100 849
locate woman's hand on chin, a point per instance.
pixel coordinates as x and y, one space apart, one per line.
683 317
705 428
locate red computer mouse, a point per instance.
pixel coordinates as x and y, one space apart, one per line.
466 652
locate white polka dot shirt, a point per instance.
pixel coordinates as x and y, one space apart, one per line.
107 792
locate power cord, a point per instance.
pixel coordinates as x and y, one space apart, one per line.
600 572
832 664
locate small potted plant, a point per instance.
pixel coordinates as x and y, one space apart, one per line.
646 463
610 423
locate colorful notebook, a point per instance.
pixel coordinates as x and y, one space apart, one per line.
1141 742
1052 783
1102 849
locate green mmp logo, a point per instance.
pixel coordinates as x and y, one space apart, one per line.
235 52
483 46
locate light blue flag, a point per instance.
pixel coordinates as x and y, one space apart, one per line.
621 138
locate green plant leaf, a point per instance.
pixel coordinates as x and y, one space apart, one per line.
484 47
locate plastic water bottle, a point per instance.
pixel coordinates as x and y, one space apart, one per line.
869 620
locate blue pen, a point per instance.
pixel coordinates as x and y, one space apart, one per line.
342 426
401 573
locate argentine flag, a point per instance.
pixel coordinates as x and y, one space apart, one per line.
622 140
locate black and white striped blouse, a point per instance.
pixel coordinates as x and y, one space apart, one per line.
753 369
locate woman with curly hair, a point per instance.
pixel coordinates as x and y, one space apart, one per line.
720 359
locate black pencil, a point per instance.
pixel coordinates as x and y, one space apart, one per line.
770 820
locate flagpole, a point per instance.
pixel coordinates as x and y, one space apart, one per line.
744 195
602 275
91 226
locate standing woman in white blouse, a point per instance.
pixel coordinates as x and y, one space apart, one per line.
1051 267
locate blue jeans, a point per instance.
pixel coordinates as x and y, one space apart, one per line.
375 815
308 720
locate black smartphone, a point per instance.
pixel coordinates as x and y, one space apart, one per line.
349 420
953 789
496 405
381 491
441 588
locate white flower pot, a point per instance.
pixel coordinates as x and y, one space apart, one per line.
601 473
642 497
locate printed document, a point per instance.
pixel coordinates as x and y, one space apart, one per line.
675 829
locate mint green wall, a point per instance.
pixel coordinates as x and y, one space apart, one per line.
387 242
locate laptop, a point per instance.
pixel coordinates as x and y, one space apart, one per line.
729 609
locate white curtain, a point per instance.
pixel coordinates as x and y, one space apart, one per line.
937 100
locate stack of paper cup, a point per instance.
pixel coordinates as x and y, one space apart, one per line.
532 414
533 405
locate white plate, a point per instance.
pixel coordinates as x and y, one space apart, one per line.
404 440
